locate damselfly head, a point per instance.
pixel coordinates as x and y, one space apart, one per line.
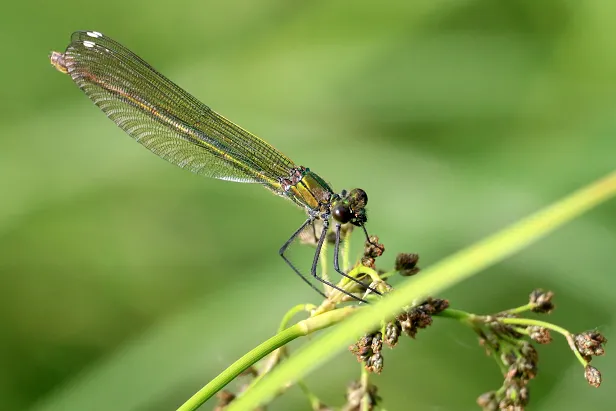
351 208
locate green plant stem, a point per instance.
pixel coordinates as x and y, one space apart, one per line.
335 296
300 329
388 274
292 312
280 352
459 315
357 271
446 273
346 248
520 309
314 401
467 317
521 330
324 265
568 336
498 361
277 354
365 385
539 323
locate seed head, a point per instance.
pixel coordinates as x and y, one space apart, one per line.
539 334
590 343
406 264
592 375
542 301
488 401
392 333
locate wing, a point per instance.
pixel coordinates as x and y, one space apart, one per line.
164 118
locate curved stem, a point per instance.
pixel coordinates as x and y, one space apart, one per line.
277 354
346 284
521 330
362 269
292 312
388 274
550 326
520 309
300 329
528 321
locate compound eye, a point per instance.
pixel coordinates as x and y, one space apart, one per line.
342 213
359 197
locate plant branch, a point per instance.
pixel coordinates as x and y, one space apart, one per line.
550 326
300 329
446 273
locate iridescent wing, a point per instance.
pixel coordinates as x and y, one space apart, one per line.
164 118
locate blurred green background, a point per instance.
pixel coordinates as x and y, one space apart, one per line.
127 283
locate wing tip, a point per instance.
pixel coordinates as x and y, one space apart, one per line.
57 60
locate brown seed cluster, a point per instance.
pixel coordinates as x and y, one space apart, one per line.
406 264
592 375
538 334
508 340
373 249
368 351
368 348
224 398
420 316
521 362
356 393
542 301
392 333
590 344
518 357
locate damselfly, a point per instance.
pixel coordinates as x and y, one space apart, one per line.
179 128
